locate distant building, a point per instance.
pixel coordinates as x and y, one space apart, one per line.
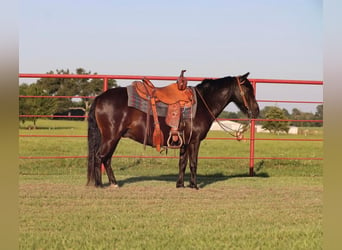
229 124
258 128
293 130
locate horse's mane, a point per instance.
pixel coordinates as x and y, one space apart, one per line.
213 83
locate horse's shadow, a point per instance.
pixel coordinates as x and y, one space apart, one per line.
202 180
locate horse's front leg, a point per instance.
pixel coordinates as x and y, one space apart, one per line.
193 154
183 159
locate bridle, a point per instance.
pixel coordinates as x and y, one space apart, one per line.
242 93
237 133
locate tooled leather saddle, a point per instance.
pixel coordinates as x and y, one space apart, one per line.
176 96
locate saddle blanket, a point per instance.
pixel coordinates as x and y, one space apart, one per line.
135 101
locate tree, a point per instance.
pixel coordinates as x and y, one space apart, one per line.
73 87
286 113
319 115
228 115
299 115
275 113
296 115
35 105
24 108
59 87
91 88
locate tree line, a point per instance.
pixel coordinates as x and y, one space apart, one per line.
59 87
271 113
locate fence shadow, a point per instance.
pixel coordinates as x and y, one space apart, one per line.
202 180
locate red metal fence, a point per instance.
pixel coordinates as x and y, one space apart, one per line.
251 138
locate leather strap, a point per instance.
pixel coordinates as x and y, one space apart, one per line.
242 93
158 138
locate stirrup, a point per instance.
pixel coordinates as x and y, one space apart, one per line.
170 141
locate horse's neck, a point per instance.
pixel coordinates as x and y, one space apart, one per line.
217 99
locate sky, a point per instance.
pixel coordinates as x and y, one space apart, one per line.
216 38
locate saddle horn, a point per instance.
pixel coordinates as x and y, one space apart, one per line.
182 82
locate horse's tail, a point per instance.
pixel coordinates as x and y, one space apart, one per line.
94 139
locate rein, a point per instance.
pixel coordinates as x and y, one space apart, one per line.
237 133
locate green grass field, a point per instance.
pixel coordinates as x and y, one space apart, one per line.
280 208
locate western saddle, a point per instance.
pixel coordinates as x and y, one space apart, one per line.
177 96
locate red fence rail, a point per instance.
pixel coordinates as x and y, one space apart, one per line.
251 139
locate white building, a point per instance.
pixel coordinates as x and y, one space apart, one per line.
235 126
229 124
293 130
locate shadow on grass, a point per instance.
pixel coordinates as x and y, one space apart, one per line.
202 180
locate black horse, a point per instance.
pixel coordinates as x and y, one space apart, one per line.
110 118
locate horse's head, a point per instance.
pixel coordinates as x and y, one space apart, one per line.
244 97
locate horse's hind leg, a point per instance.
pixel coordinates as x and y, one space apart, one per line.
106 152
109 171
97 171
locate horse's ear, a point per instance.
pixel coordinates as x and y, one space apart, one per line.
243 78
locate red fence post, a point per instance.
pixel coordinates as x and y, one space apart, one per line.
105 84
251 140
251 148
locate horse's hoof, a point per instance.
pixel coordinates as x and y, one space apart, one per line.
115 186
193 186
111 186
180 186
